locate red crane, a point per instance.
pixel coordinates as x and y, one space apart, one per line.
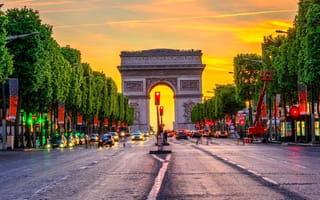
257 128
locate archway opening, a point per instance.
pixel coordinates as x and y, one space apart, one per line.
167 101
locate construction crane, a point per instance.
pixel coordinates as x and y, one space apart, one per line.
258 128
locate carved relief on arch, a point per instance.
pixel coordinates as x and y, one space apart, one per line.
133 86
152 81
136 112
187 110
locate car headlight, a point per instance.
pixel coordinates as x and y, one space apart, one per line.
61 145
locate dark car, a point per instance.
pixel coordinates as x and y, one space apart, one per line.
107 139
181 135
196 134
59 141
114 135
94 137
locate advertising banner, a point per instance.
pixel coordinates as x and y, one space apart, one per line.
303 99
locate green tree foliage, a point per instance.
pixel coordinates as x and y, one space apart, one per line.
6 64
73 56
224 102
246 74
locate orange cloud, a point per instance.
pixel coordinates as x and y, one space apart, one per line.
34 3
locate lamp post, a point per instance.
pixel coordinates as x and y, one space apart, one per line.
4 109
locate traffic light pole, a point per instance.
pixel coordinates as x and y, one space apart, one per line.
158 126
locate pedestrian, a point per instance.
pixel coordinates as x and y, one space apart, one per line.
165 137
198 139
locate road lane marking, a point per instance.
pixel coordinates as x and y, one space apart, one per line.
156 157
254 172
270 180
159 179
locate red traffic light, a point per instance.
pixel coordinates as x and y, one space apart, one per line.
157 98
242 122
294 112
161 110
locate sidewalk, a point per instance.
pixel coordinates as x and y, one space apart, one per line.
309 144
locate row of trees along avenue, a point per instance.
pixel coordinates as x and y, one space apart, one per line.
50 75
294 56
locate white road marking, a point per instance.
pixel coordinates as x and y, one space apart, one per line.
269 180
156 157
242 167
254 172
158 181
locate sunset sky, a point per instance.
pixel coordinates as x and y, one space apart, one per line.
101 29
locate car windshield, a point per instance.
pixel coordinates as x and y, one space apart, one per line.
136 134
113 133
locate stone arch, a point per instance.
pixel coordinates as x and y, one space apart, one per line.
170 83
181 70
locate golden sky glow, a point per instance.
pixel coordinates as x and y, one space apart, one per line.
101 29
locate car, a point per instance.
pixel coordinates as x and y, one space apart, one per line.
59 141
145 133
71 141
122 134
107 139
221 134
94 137
76 139
137 136
224 134
196 134
82 139
115 135
181 135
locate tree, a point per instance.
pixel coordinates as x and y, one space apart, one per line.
6 64
246 74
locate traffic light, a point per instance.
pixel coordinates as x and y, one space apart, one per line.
157 98
294 112
161 110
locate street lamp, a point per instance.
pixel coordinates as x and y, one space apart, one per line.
14 37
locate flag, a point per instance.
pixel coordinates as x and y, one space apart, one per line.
61 113
95 121
106 122
79 119
13 90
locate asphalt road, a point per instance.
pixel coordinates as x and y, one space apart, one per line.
222 169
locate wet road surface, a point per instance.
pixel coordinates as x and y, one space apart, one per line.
222 169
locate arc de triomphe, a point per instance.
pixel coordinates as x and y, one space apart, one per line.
181 70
